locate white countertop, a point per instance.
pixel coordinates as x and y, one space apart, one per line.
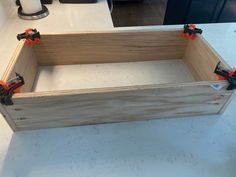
62 18
187 147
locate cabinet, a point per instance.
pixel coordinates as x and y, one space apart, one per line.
200 11
228 13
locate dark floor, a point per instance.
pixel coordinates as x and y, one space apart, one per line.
146 12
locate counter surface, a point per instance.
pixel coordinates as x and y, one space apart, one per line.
188 147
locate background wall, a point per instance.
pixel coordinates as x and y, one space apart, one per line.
6 10
200 11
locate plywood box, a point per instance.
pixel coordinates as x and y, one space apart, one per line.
113 76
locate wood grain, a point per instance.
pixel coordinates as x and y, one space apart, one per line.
25 63
36 110
83 107
202 59
111 46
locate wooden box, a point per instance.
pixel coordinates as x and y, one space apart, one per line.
113 76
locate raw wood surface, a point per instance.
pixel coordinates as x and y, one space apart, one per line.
23 62
85 76
8 118
111 46
35 110
201 59
92 106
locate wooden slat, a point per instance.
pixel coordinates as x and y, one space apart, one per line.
113 46
82 107
23 62
202 59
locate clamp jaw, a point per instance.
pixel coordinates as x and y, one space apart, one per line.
30 35
9 88
226 74
190 31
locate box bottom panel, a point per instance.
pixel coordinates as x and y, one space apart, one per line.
85 76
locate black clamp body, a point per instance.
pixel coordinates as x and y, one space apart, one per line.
229 75
191 29
8 89
29 34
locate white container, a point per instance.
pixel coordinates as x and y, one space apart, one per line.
31 6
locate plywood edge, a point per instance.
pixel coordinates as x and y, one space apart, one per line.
114 89
115 31
13 61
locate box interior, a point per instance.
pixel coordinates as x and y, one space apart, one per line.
86 76
113 59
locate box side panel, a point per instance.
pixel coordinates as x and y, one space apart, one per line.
84 48
60 109
23 62
8 118
201 59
